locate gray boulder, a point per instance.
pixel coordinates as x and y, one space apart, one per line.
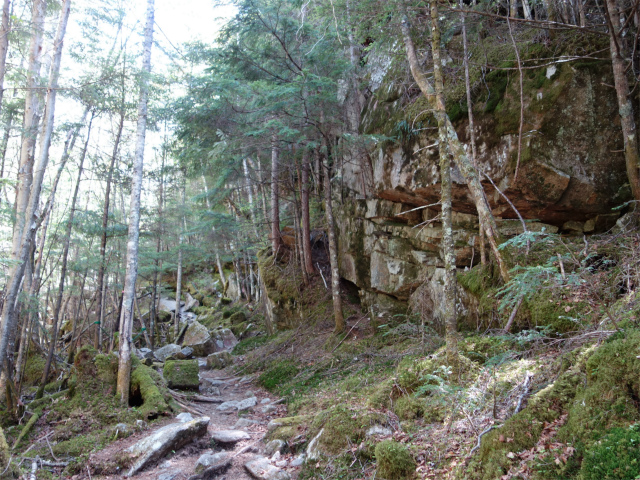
224 339
167 351
197 337
219 360
164 440
191 303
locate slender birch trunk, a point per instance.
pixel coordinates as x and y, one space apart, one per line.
306 228
275 196
124 363
17 272
333 247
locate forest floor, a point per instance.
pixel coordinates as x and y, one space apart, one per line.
180 464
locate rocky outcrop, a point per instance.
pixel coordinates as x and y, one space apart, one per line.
571 174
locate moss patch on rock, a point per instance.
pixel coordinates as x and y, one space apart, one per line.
182 374
394 461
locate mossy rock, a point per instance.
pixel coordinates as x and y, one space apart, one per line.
219 360
33 370
394 461
144 386
287 428
225 301
163 316
209 301
409 408
341 427
182 374
237 318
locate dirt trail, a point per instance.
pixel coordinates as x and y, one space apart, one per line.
180 465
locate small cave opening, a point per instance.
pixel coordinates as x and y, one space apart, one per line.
351 290
135 398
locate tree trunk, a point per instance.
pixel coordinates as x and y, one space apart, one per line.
306 229
460 157
21 255
3 150
275 196
472 129
124 363
333 248
105 224
625 107
450 314
176 312
63 267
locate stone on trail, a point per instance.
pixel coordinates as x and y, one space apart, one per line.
269 409
247 403
163 441
219 360
168 476
220 460
184 417
299 460
274 446
229 437
244 423
230 405
182 374
197 337
171 349
261 469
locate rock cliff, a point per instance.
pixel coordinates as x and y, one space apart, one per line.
570 174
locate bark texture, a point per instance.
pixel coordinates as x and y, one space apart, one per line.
124 361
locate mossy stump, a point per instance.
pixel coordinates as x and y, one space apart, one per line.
182 374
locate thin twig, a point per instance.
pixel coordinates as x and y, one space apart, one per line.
347 335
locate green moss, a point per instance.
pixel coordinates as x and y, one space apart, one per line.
482 348
163 316
609 397
524 428
409 408
33 370
342 427
145 387
394 461
181 374
479 279
277 375
287 428
249 344
237 317
616 456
